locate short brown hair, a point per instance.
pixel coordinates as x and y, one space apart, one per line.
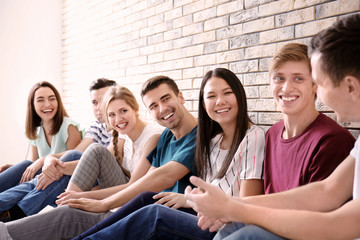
295 52
101 83
154 82
339 46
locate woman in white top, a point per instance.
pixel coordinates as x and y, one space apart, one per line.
229 154
115 164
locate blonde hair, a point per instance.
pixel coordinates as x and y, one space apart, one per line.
118 92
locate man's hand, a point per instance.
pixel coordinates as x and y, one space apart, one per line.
206 199
52 167
171 199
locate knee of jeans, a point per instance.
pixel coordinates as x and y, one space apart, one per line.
153 211
71 155
146 197
253 232
229 229
146 194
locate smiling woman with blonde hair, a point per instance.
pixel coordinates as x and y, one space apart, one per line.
116 165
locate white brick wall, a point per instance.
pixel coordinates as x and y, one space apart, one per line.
132 40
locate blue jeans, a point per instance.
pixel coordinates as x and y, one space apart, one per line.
241 231
155 222
141 200
12 176
31 200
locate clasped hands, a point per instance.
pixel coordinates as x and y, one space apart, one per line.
53 169
208 201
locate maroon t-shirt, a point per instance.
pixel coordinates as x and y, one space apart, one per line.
311 156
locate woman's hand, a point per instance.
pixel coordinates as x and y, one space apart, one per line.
87 204
171 199
31 170
43 182
68 195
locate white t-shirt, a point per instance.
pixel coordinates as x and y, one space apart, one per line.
355 153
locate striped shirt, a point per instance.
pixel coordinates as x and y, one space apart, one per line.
247 163
97 132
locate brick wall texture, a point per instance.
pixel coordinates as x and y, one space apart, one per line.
132 40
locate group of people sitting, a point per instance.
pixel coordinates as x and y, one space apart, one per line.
215 176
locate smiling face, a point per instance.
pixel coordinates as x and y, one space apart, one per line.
121 116
165 106
293 88
45 103
220 102
96 97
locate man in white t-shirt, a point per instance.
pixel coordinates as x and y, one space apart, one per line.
319 210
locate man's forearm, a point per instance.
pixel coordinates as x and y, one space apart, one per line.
69 167
300 224
298 199
153 181
323 196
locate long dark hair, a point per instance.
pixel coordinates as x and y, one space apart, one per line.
207 128
33 120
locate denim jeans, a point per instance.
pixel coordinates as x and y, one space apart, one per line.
12 176
241 231
141 200
31 200
155 222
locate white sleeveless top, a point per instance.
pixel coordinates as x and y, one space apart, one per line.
134 150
